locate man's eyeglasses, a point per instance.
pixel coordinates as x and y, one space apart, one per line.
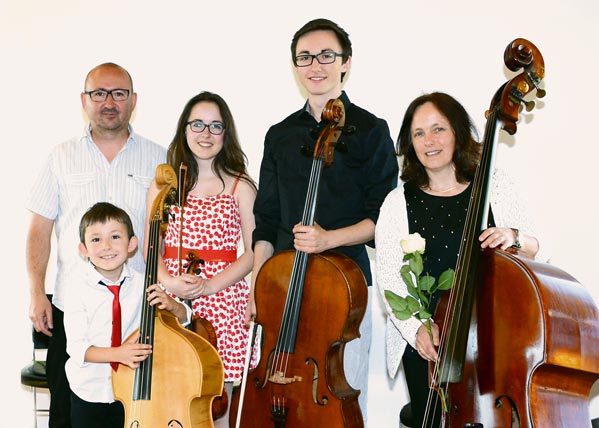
100 95
305 60
215 128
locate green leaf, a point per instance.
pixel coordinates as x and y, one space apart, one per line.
424 300
446 280
402 315
413 291
413 304
400 306
407 276
424 314
396 302
416 264
426 283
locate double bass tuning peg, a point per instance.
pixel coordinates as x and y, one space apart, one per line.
517 96
529 105
534 80
541 92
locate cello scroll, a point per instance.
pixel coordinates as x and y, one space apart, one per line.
333 115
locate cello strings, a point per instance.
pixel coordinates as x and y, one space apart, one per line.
287 337
291 312
293 299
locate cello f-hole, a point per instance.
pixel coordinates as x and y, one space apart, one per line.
315 378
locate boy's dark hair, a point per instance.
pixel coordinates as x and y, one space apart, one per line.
101 213
323 24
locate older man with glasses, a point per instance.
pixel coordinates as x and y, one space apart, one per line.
109 163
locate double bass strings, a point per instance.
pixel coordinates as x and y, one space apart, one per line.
449 368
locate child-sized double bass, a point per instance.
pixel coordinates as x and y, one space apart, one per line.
176 385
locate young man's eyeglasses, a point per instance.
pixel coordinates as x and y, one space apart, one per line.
305 60
100 95
215 128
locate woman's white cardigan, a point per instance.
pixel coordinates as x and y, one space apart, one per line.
392 226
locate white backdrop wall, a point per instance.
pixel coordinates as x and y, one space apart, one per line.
241 51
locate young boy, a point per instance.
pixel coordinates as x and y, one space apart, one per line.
107 241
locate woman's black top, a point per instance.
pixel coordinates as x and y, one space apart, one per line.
440 221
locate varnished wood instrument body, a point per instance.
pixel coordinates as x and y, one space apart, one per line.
175 386
186 377
531 358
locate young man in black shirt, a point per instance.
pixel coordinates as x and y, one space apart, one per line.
351 189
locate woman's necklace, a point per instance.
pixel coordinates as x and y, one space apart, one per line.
442 191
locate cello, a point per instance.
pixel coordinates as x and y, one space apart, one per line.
519 338
308 307
175 386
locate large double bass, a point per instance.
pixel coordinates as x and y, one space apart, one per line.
176 385
308 307
519 338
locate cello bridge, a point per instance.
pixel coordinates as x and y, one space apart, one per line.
278 377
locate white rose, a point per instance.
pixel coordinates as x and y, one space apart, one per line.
413 244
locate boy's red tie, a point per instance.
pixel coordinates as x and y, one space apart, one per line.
116 321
